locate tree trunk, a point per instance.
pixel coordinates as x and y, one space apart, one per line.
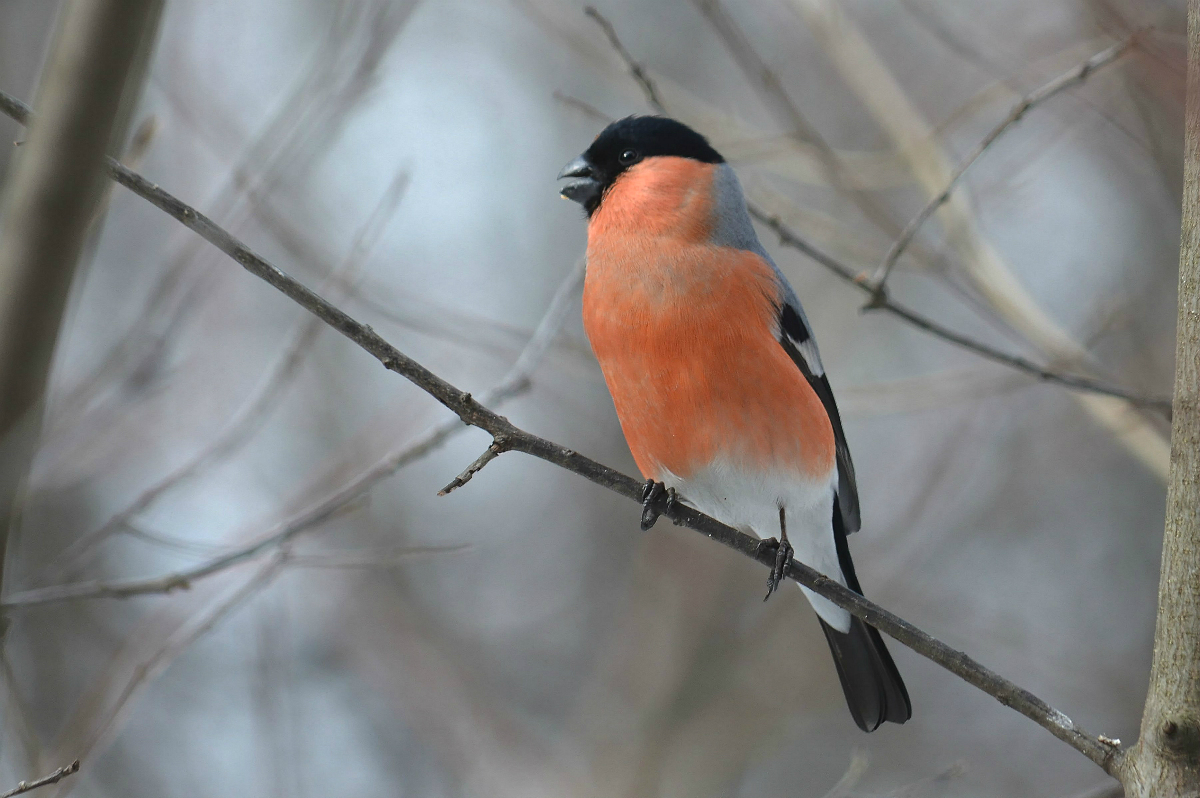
1166 759
49 200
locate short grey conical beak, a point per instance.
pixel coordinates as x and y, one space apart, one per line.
585 187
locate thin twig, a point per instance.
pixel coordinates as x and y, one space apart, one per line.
499 445
53 778
473 413
635 68
1064 81
586 108
879 297
169 542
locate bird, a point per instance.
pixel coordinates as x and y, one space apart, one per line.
715 374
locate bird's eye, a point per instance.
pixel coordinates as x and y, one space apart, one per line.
628 157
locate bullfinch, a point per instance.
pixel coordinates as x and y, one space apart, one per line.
715 374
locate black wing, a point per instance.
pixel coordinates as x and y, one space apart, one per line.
798 342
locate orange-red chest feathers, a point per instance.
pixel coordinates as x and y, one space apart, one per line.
685 332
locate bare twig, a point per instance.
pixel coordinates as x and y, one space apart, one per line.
587 108
879 298
162 540
53 778
473 413
499 445
1064 81
635 68
139 145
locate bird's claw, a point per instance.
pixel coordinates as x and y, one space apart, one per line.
652 502
783 555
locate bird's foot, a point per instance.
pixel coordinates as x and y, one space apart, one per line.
783 555
657 499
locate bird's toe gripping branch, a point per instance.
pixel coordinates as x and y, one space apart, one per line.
657 499
783 555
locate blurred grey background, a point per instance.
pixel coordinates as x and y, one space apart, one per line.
401 156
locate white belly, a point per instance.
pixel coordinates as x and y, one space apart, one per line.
750 501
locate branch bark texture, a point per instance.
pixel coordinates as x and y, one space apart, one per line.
1166 759
50 198
53 778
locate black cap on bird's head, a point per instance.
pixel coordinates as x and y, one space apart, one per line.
624 143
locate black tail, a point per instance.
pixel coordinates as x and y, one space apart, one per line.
873 687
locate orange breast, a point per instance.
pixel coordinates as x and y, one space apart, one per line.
684 331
